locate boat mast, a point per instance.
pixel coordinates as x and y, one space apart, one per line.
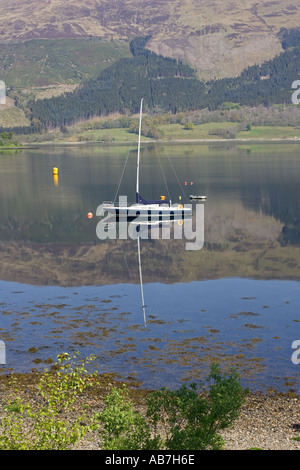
141 281
138 156
137 200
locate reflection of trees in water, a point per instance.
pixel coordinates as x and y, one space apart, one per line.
278 199
232 226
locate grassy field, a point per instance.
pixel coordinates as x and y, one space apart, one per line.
217 130
176 132
201 131
106 135
276 132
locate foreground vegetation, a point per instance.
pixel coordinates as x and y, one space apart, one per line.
187 419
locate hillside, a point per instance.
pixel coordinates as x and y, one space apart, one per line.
39 64
219 39
10 115
91 59
169 85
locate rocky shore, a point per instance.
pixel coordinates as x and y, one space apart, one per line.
267 421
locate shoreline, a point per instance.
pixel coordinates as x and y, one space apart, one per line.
34 145
267 421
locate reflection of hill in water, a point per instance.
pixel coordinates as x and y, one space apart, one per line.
238 243
251 215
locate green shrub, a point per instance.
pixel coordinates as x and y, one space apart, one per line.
45 426
123 427
190 420
189 126
7 139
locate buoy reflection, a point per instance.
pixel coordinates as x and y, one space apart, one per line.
55 180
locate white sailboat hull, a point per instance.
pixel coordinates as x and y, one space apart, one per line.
201 197
154 211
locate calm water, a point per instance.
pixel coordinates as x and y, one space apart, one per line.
236 301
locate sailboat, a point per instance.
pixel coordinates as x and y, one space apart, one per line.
158 209
199 197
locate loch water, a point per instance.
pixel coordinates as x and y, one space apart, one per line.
234 301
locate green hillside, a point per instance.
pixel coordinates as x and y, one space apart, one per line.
47 62
43 68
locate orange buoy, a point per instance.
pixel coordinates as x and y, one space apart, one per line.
90 215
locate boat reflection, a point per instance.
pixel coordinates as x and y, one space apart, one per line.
145 227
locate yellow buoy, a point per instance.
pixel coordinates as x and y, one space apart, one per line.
162 198
55 170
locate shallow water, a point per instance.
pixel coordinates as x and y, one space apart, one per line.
235 301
